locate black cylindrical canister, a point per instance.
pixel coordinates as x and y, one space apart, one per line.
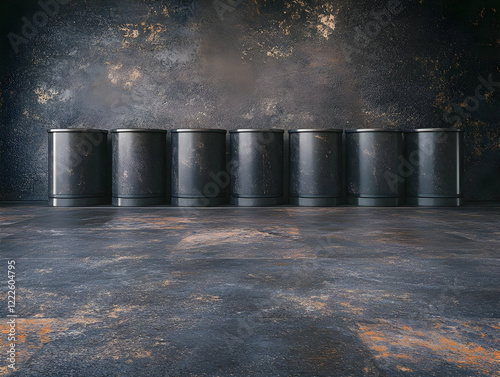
315 167
78 167
199 173
435 161
375 175
139 166
256 167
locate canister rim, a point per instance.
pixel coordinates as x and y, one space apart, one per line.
60 130
436 130
338 130
240 130
119 130
375 130
177 130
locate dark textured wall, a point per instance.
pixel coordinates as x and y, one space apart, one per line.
286 64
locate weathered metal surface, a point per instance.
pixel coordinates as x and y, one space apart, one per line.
78 167
227 291
139 172
434 167
256 167
374 175
199 173
315 167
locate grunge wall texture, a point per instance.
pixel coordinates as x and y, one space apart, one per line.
251 63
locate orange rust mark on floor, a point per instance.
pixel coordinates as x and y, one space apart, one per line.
373 335
382 350
403 356
282 263
33 333
44 338
324 357
206 298
352 308
149 222
447 342
310 303
454 344
403 369
21 337
117 311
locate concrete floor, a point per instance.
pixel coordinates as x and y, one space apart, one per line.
253 291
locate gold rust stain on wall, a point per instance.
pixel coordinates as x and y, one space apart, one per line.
29 115
257 7
320 22
482 137
129 30
326 24
456 343
44 94
119 77
440 77
151 32
280 52
483 12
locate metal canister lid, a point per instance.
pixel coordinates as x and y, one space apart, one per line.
117 130
436 130
241 130
178 130
316 130
61 130
375 130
